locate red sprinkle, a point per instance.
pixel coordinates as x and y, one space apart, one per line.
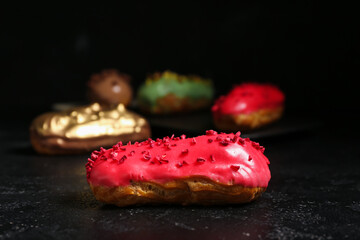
212 158
235 168
185 151
250 158
147 157
183 136
94 156
179 165
193 141
122 159
122 148
219 138
200 160
224 143
241 141
210 140
131 153
96 152
262 149
163 161
113 154
211 132
103 158
255 145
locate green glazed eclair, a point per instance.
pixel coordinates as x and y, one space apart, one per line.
168 92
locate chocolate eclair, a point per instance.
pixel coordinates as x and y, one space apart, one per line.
83 129
109 88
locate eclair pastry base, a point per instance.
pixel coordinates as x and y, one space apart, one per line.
174 104
60 145
244 122
195 190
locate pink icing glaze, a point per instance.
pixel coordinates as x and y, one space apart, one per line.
247 98
224 158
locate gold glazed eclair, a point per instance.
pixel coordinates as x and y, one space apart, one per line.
84 128
209 169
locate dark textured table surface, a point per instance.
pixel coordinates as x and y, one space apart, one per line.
314 193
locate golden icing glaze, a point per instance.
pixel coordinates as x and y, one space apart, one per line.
89 122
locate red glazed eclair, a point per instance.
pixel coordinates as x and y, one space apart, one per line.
209 169
248 106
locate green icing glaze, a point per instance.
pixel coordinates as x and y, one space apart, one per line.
169 82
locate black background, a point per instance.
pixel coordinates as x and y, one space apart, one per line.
310 50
